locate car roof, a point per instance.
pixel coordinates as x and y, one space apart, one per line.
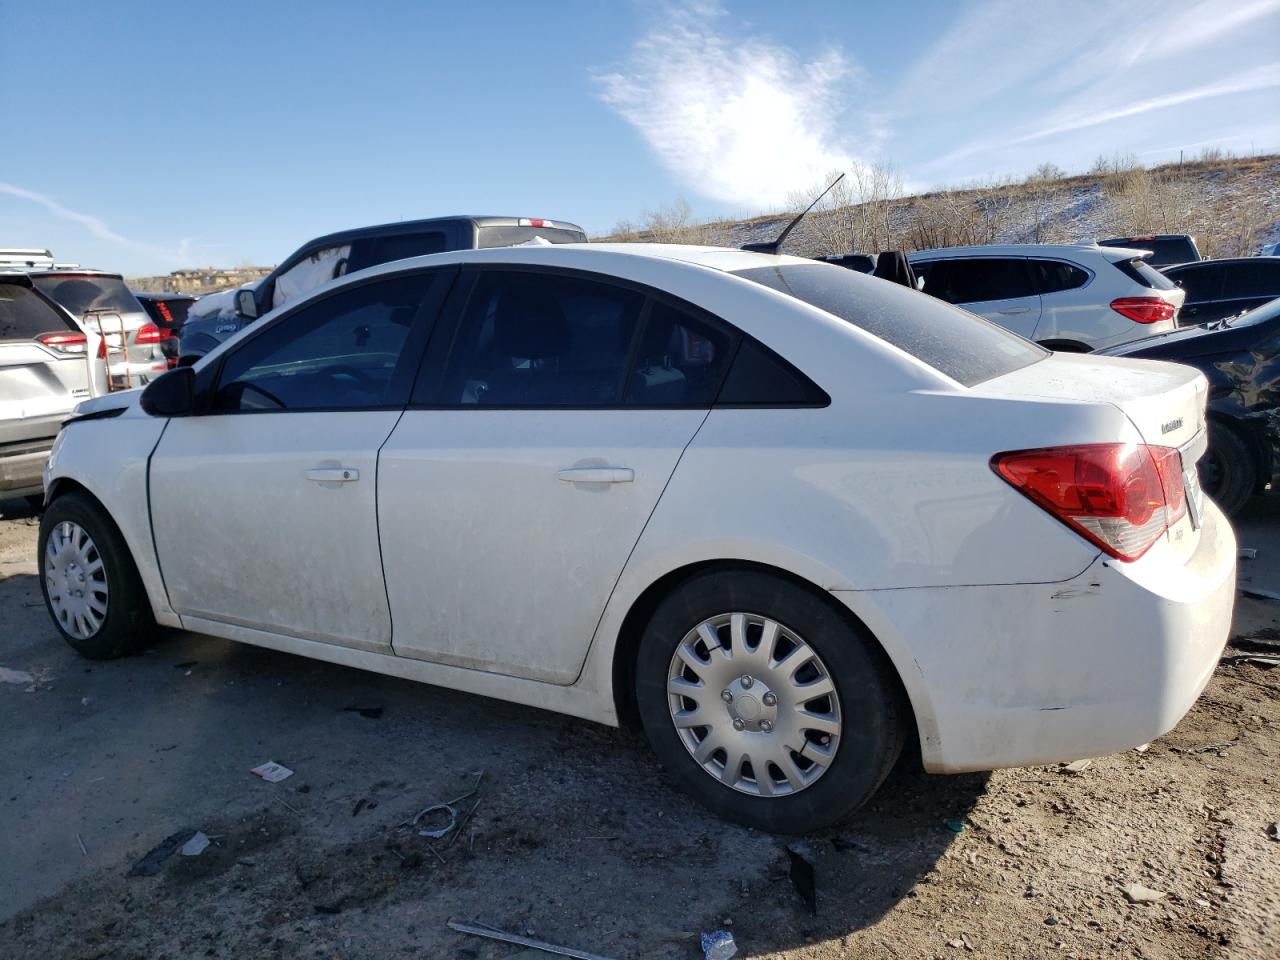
72 271
1020 249
1219 260
412 226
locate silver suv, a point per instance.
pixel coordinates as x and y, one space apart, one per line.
1071 297
48 364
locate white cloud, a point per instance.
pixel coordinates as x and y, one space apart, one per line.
90 223
741 121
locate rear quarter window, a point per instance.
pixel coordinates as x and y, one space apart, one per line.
962 346
1139 271
24 315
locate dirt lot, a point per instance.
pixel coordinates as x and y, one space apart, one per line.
578 839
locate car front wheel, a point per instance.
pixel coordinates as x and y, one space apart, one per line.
90 584
766 703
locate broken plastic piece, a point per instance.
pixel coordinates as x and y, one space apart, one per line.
1077 766
719 945
494 934
955 826
150 865
195 846
272 772
437 834
1137 893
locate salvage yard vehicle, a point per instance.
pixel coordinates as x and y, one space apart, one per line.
1066 297
325 258
1240 357
1225 288
782 515
47 365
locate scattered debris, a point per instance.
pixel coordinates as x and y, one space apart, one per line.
955 826
1137 893
442 831
1259 660
718 945
272 772
1247 553
803 879
369 713
1274 831
493 933
81 842
466 818
152 863
195 846
364 803
1142 747
961 942
1268 595
15 676
1077 766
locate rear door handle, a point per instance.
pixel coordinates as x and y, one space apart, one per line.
333 475
596 475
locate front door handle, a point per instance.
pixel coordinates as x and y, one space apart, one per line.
1015 310
596 475
333 475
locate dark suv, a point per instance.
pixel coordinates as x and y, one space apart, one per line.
1224 288
336 254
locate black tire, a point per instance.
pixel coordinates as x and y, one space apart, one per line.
1228 470
874 715
129 624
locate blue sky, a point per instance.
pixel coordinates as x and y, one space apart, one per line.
156 135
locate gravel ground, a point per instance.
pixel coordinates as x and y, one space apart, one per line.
578 838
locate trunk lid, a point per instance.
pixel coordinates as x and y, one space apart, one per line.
1165 402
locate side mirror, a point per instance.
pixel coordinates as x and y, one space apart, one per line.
171 395
246 305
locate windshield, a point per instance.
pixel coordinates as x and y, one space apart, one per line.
964 347
82 293
1268 311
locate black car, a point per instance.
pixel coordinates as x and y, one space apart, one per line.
336 254
1224 288
1166 248
1241 358
168 311
861 262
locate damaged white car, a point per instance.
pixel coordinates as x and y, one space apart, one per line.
782 515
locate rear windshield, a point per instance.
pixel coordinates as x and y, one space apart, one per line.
82 293
510 236
1139 271
24 315
964 347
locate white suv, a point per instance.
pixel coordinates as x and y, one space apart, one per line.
1066 297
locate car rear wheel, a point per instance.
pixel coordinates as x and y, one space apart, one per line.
90 584
1228 471
766 703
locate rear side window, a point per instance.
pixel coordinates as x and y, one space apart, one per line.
1256 279
679 360
542 340
1202 283
1139 271
386 249
86 293
956 343
24 315
982 279
1054 276
760 378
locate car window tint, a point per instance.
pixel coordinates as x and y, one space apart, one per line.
24 315
960 345
88 293
1201 282
336 353
679 361
542 340
979 279
1054 276
1139 271
760 377
930 276
1251 279
386 249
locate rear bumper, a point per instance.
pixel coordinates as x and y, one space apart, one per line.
1019 675
22 466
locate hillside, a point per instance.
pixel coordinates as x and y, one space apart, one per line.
1231 206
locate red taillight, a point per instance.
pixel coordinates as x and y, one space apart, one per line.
1144 309
150 333
1120 496
64 342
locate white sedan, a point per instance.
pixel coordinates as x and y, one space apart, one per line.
782 515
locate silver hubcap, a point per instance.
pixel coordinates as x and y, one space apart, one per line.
76 580
754 704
